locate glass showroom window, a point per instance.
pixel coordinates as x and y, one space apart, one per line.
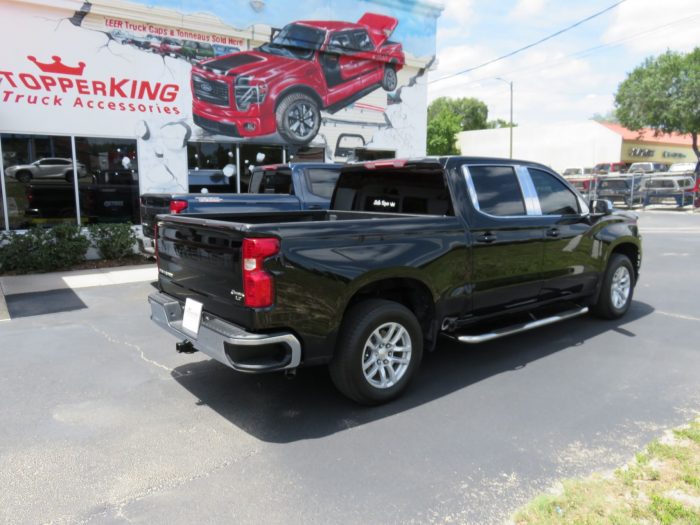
38 173
206 162
108 183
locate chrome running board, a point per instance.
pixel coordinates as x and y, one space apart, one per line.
523 327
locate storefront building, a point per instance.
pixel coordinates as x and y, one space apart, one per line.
103 101
579 144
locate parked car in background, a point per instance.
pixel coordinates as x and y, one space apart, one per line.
197 51
46 168
153 43
221 50
647 167
680 188
140 42
585 184
682 167
171 47
625 188
603 168
572 172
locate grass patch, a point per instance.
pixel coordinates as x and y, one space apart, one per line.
660 486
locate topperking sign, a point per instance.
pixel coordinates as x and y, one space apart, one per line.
61 85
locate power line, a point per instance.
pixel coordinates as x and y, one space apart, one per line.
582 53
519 50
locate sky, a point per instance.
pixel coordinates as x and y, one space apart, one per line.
569 78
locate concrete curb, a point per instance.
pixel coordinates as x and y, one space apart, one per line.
17 284
4 312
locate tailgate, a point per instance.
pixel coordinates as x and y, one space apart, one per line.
152 205
202 262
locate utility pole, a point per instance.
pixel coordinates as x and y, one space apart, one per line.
510 84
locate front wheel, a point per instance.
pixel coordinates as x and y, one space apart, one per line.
617 289
389 80
298 118
379 350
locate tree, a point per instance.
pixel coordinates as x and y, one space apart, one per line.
448 116
610 116
663 94
472 112
500 123
442 132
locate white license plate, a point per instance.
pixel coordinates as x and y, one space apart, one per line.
192 316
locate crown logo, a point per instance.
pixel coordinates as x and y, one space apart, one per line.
58 67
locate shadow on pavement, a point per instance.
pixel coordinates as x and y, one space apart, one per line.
276 409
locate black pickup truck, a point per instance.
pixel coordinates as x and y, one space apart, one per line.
469 248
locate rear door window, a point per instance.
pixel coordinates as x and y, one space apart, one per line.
496 190
555 198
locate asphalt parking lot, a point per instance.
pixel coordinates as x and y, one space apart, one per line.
102 422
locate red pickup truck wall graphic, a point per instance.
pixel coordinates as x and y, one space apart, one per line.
282 86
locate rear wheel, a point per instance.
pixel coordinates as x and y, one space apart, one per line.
617 289
298 118
380 348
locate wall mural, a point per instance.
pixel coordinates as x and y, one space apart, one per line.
251 76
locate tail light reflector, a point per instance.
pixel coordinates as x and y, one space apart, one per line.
177 206
258 285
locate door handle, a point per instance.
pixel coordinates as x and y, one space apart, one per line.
314 207
487 238
553 232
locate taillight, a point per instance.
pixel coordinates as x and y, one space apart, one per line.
177 206
258 285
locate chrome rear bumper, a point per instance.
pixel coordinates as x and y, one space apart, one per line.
227 343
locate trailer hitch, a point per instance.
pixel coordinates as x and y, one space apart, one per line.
185 347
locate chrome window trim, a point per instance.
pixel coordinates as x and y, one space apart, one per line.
529 211
532 200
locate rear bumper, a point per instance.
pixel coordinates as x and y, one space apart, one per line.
227 343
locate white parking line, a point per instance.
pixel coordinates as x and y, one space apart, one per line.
679 316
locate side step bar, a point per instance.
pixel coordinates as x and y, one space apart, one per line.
523 327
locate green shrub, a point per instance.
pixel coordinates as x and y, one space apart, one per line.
42 250
113 241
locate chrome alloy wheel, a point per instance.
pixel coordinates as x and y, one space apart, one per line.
301 119
621 286
386 355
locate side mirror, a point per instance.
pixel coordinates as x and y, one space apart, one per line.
601 206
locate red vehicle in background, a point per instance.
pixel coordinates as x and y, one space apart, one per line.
282 86
170 46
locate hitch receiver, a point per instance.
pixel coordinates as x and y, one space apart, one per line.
185 347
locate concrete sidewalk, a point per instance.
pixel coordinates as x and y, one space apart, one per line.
44 282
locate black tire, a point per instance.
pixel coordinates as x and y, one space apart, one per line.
298 118
68 176
390 79
24 177
361 322
605 307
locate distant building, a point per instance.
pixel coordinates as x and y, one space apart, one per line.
580 144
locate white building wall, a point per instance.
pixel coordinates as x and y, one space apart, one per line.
580 144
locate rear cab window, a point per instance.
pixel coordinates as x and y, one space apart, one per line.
415 191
